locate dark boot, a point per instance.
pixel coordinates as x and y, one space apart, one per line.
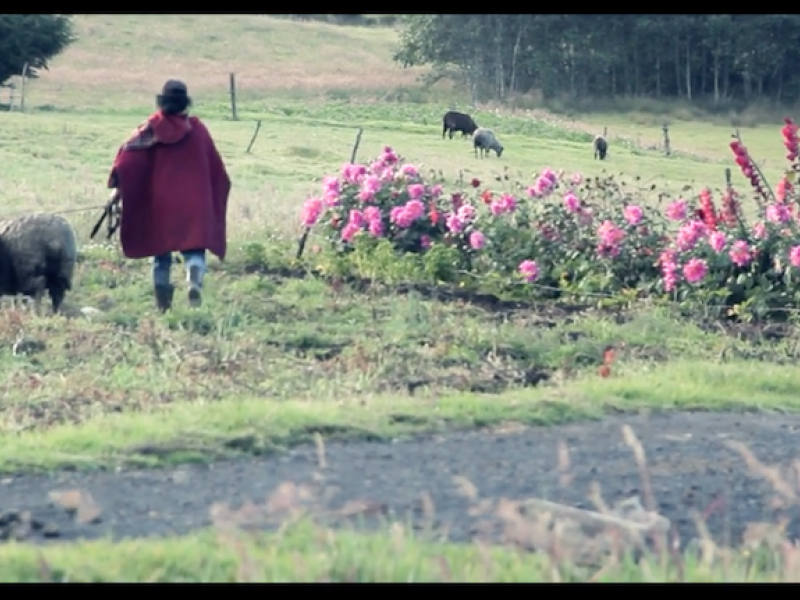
164 295
195 297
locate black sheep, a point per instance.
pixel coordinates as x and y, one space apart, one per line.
455 121
600 147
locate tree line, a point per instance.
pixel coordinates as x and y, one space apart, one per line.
721 59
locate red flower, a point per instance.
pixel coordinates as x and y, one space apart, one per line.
730 208
707 212
790 139
486 197
476 183
433 214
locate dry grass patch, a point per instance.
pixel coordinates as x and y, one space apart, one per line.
120 57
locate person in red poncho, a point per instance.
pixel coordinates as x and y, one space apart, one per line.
173 189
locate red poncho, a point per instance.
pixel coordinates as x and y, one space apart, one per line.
174 188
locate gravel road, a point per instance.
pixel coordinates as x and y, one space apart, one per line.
690 466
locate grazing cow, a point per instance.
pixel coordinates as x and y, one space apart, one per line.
455 121
600 147
485 140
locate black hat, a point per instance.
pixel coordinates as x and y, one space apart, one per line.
173 97
174 87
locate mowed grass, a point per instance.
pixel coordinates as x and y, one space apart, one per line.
277 355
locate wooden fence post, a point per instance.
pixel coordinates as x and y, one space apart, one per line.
665 129
233 97
22 78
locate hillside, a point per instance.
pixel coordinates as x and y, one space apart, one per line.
120 60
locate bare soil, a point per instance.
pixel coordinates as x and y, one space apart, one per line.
690 466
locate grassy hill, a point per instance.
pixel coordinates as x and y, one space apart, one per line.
120 61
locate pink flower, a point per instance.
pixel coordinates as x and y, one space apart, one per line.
477 240
404 216
794 256
375 228
760 231
717 241
416 190
466 213
576 179
415 209
312 209
544 184
778 213
695 270
409 170
436 191
633 214
331 199
677 210
496 208
369 188
529 270
357 217
372 213
669 269
331 185
689 234
585 217
349 231
740 253
425 241
506 203
572 203
386 175
353 173
610 241
389 156
394 213
454 224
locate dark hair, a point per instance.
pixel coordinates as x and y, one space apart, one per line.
173 98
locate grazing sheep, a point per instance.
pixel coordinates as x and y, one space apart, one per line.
38 252
456 121
485 140
600 147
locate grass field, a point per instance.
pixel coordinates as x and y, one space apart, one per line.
276 355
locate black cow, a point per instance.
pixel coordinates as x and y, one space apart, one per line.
455 121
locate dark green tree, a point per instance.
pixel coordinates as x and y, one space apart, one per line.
32 39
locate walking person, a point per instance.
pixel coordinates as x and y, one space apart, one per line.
173 189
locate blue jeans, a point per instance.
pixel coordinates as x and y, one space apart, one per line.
162 266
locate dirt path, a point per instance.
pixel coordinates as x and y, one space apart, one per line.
689 463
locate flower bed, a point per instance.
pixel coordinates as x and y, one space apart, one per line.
565 235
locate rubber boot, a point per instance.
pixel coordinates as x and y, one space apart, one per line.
164 295
195 297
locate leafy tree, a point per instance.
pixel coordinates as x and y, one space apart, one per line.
32 39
